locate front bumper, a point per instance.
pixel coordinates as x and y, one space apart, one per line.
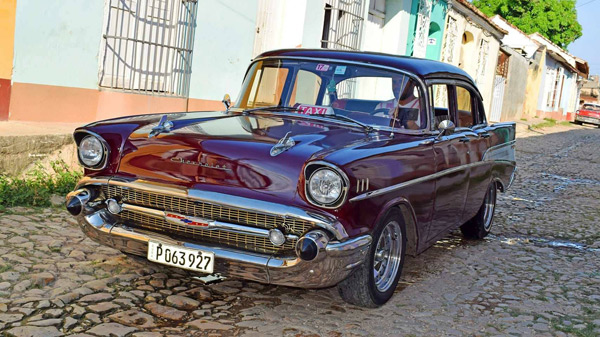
332 265
585 119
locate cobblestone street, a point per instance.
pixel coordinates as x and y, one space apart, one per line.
538 274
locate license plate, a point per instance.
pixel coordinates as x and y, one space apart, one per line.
177 256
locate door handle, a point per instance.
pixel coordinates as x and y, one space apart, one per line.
484 135
465 140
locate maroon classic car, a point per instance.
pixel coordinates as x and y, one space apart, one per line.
327 170
589 113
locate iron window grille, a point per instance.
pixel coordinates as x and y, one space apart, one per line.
342 25
342 28
148 46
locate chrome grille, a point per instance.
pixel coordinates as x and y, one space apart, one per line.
207 210
243 241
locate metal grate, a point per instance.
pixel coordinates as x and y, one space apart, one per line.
207 210
484 47
243 241
342 24
450 40
147 46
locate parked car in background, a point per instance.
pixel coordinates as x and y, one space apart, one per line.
327 170
589 113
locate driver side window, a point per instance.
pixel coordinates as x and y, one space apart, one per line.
440 100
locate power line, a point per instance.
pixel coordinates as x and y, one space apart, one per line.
589 2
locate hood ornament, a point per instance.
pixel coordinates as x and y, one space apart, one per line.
283 145
163 126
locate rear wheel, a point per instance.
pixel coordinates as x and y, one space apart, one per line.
481 224
373 283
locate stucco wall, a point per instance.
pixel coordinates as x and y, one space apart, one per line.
535 74
222 47
391 37
57 42
563 105
516 83
7 33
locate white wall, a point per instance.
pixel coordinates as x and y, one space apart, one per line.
223 47
471 55
515 38
391 37
280 24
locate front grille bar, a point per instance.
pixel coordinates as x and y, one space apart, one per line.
207 210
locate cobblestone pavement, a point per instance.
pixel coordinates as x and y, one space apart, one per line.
539 274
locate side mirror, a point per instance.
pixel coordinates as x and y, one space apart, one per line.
227 101
446 127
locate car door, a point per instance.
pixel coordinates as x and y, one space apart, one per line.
471 122
451 164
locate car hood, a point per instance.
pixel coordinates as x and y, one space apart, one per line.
229 153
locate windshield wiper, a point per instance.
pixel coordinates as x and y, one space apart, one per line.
273 108
366 127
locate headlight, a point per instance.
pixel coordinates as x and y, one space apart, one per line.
91 151
325 186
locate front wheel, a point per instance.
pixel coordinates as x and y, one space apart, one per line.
373 283
481 224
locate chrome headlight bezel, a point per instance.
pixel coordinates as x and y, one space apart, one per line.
309 172
104 150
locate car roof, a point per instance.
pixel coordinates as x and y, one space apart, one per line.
424 68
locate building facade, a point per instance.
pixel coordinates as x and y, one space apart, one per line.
561 81
590 91
8 10
472 42
82 61
426 28
518 69
74 61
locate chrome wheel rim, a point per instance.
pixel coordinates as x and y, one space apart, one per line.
488 211
388 255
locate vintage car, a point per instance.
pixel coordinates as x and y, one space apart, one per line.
589 113
329 167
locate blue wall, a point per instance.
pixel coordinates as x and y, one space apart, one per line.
57 42
223 47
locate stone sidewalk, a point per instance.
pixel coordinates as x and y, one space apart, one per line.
538 274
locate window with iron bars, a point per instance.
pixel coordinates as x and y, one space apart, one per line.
342 28
342 25
147 46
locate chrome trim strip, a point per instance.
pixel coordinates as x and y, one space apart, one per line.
497 147
436 175
212 224
512 178
322 220
388 189
485 160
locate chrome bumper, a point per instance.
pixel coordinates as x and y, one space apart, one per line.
585 119
330 267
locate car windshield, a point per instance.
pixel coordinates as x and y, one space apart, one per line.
370 96
591 107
